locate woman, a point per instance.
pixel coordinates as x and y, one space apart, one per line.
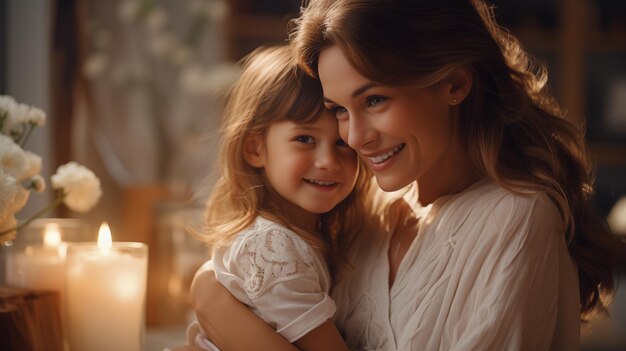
507 254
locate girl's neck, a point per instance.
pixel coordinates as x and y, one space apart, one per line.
302 219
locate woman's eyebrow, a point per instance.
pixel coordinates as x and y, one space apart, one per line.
356 93
363 89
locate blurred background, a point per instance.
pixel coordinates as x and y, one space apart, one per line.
134 90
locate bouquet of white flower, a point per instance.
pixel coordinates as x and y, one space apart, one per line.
77 186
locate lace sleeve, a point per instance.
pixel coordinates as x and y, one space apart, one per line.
285 280
272 255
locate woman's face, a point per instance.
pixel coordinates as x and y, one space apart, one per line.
403 133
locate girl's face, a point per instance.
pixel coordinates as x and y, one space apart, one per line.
308 165
402 133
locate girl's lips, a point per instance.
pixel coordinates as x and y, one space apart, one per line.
321 184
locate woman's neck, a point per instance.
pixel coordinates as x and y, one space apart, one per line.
454 173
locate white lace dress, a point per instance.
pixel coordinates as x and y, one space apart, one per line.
278 276
488 270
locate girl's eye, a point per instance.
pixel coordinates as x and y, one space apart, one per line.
340 142
306 139
375 100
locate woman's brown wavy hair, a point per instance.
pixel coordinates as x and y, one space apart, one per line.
273 89
514 130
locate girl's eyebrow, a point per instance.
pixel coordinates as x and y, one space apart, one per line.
305 127
356 92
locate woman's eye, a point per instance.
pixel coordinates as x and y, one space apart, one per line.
338 111
306 139
375 100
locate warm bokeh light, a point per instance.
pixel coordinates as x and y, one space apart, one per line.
52 236
104 237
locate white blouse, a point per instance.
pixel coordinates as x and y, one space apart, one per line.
278 275
488 270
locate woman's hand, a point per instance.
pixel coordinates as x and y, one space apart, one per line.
228 323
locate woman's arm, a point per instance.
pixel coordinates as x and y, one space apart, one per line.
324 337
228 323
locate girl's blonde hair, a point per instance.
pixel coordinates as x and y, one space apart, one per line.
514 129
273 89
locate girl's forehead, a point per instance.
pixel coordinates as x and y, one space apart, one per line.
326 122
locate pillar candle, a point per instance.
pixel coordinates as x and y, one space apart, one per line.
37 260
105 294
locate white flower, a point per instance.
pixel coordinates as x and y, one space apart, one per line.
19 170
80 186
6 103
14 116
7 114
18 163
36 116
32 165
20 113
12 157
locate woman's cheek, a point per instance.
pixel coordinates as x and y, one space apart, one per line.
344 129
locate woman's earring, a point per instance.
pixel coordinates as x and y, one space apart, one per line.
454 101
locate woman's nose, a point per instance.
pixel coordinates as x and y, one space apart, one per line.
358 132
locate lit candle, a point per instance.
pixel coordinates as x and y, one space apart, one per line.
106 293
37 266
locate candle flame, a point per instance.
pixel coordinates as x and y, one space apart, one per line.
104 237
52 236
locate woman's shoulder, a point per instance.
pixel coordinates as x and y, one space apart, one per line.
489 203
489 195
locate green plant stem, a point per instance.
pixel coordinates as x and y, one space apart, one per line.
50 206
29 131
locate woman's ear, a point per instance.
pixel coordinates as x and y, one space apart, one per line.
253 150
457 86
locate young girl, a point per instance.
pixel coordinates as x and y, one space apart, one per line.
285 205
509 254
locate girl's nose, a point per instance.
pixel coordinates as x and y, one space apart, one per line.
327 158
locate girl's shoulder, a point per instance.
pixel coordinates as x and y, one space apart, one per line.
272 239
